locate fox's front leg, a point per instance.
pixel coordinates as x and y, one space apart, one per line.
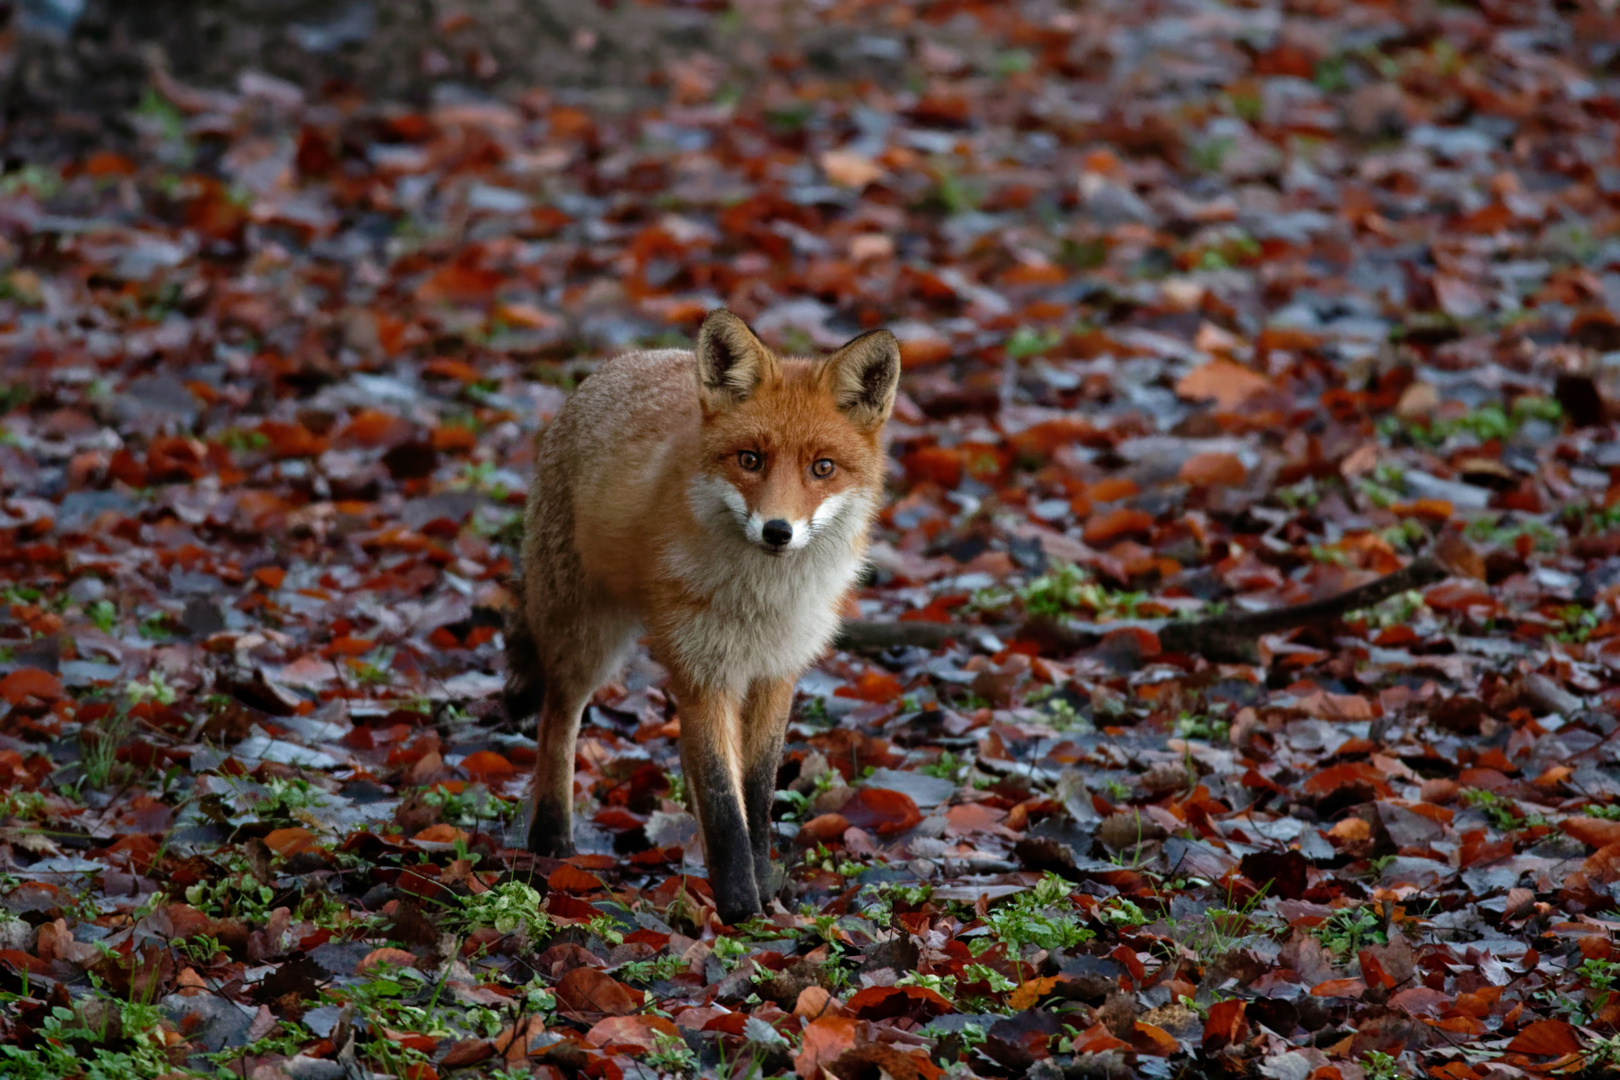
712 759
764 726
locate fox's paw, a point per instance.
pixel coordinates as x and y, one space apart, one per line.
550 834
736 902
554 847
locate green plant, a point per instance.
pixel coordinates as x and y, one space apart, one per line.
470 805
1503 811
103 615
1346 931
238 894
650 971
97 1039
507 907
1377 1065
1026 342
1210 155
99 752
1029 918
1122 912
671 1054
1208 728
946 767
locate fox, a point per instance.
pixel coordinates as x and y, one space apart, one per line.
719 502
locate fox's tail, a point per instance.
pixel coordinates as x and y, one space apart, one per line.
525 680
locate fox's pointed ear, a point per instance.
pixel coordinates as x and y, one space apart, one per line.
865 375
731 361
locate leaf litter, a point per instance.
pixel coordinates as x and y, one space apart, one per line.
1206 311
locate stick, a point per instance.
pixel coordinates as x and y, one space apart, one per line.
1228 636
860 635
1223 638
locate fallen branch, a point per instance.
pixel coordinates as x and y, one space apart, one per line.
1229 637
859 635
1232 636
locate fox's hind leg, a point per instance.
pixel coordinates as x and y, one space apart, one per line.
555 671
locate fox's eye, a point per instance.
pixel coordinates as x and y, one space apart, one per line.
822 468
748 460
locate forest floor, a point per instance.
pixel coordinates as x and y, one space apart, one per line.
1205 308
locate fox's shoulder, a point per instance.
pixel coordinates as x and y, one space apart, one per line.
641 397
663 373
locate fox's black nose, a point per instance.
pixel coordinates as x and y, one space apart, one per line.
777 533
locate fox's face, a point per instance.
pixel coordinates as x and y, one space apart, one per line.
792 449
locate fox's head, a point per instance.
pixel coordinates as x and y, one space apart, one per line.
792 448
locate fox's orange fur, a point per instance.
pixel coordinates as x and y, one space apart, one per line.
719 502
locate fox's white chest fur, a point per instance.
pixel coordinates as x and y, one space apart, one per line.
766 616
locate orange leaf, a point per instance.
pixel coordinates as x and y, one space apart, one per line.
878 687
924 352
440 833
1030 992
587 990
30 682
1432 509
1226 1023
571 879
1547 1038
881 810
1339 988
1154 1040
393 957
825 1040
886 1002
487 765
270 577
285 842
1116 524
459 284
1213 470
1228 383
631 1033
1593 832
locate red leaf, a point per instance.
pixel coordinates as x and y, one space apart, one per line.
882 811
1112 525
1593 832
487 765
570 879
1226 1024
631 1033
30 682
825 1041
1339 988
1213 470
1547 1038
887 1002
878 687
587 990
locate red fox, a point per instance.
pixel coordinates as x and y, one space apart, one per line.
719 502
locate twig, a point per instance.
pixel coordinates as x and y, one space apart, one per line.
1232 636
859 635
1228 637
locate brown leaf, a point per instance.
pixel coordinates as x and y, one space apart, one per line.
1229 384
631 1032
1546 1038
29 682
1593 832
1213 470
881 810
824 1042
588 991
1029 992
